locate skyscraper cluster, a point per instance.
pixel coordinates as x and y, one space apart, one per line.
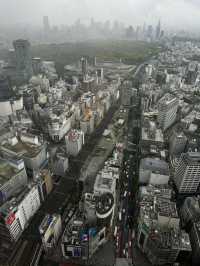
103 30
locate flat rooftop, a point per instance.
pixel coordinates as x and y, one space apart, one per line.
166 208
104 180
172 239
155 165
6 171
20 148
168 98
157 136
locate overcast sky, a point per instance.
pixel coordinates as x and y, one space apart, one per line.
173 13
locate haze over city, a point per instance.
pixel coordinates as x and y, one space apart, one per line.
180 14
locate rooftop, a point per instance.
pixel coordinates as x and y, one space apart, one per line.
74 232
166 208
48 221
160 191
155 165
74 135
191 157
104 203
155 135
104 180
167 99
22 148
6 171
171 239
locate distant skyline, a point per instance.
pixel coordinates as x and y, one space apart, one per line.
177 14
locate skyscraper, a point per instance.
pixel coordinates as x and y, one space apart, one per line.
23 58
167 109
46 24
150 32
187 174
84 66
158 30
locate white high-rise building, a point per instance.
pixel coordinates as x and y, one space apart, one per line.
74 142
167 109
187 174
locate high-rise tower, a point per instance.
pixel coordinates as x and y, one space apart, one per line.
158 30
167 109
46 24
23 58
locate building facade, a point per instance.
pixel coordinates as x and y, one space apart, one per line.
16 213
23 58
187 173
177 143
12 177
74 142
167 109
50 231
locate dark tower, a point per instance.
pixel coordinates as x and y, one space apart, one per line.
23 58
46 24
5 88
158 30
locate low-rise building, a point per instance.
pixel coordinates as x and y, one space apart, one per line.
60 164
58 126
50 230
151 135
159 234
153 171
75 241
177 143
152 139
79 242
